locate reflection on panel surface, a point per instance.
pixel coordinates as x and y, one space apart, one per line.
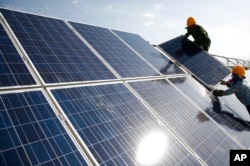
207 139
153 123
115 127
205 67
31 134
157 59
219 110
57 53
13 71
116 53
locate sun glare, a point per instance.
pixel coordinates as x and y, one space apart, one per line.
151 148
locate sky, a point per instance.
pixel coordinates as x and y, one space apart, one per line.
226 21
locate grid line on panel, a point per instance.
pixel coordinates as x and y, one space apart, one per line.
31 133
147 51
215 109
201 64
111 116
92 49
13 71
114 51
180 115
56 52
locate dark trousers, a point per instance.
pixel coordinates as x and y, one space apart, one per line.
248 108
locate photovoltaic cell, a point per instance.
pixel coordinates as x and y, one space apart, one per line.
13 71
116 53
112 122
57 53
157 59
217 110
31 133
206 139
203 66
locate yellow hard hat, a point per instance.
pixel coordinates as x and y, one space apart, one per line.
190 21
239 70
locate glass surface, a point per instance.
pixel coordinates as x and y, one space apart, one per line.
207 139
203 66
118 129
157 59
226 111
31 133
183 125
116 53
13 71
56 52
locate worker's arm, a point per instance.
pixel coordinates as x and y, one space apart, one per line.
232 89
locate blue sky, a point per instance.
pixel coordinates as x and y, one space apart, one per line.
227 21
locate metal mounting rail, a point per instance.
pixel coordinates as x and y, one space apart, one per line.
230 62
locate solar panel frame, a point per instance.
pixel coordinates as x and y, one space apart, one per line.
180 115
207 69
119 56
111 121
14 71
32 133
143 48
218 110
118 111
56 53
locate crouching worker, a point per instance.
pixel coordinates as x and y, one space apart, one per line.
237 86
199 34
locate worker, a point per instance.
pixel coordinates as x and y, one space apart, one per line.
237 86
198 33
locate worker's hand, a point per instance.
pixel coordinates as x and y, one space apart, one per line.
218 92
223 82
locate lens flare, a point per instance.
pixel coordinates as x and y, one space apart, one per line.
152 148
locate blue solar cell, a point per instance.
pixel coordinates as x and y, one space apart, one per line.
109 119
206 68
116 53
27 138
206 139
217 110
56 52
13 71
112 122
157 59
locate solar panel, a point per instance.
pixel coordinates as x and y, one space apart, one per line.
116 53
13 71
157 59
98 117
203 66
206 139
56 52
217 110
112 122
31 133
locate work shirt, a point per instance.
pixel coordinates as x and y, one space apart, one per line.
200 36
198 33
240 89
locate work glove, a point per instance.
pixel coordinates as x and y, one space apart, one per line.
223 82
218 92
227 83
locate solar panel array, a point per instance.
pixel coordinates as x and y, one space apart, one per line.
206 68
77 94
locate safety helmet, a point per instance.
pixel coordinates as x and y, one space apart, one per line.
239 70
190 21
